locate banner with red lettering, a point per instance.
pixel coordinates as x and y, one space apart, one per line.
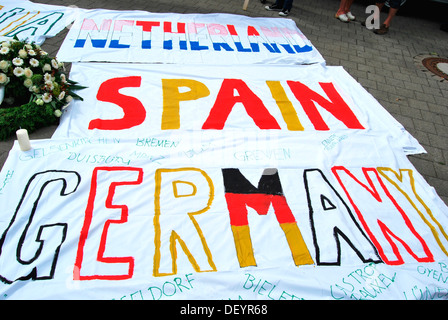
130 100
175 217
33 22
138 36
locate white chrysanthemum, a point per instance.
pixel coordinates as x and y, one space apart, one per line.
28 72
46 67
49 85
34 89
6 44
47 77
47 97
3 78
23 54
4 65
4 50
43 53
63 78
18 72
18 62
34 62
54 64
32 52
28 83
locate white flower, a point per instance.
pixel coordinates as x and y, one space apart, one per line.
63 78
34 62
31 52
4 50
28 83
61 95
39 102
54 64
49 85
3 78
47 77
6 44
47 98
18 72
43 53
58 113
17 62
46 67
28 72
4 65
22 53
69 99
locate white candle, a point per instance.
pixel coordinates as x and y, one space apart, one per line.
246 3
24 140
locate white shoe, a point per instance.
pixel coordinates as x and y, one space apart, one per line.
350 16
343 17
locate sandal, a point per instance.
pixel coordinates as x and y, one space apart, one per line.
350 16
343 17
382 30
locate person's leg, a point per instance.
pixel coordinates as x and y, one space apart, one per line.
278 5
394 6
342 7
390 16
287 5
348 5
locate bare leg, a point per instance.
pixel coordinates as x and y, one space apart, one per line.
342 7
348 4
390 16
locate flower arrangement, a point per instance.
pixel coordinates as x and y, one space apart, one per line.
36 89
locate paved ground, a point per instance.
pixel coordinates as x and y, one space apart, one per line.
384 65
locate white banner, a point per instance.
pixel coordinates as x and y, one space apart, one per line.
129 100
103 218
138 36
33 22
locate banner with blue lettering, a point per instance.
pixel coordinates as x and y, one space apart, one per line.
175 217
138 36
33 22
128 100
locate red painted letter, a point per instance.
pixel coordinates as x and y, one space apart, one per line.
123 266
388 224
134 112
336 106
226 100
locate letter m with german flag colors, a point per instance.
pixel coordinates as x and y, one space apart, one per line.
240 193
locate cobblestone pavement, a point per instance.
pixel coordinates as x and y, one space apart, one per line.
384 65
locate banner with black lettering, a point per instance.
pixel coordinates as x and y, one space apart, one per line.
157 217
139 36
